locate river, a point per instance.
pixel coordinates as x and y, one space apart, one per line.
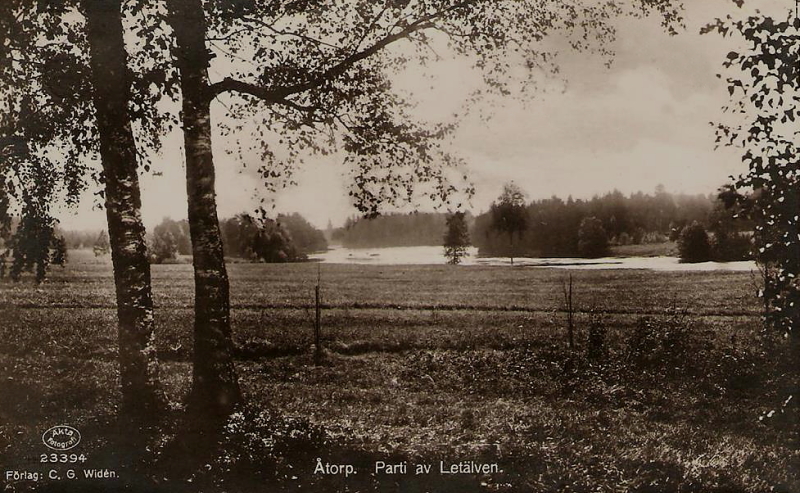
434 255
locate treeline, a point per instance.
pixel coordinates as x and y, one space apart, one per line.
393 230
287 238
77 240
553 227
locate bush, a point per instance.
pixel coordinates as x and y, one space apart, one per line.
592 238
266 447
662 343
693 244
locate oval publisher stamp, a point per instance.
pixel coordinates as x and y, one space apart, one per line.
61 437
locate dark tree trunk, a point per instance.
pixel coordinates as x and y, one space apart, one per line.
215 387
111 81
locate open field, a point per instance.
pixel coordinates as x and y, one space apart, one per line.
429 363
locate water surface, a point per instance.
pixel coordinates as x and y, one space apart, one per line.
434 255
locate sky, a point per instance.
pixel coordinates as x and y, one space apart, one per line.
641 122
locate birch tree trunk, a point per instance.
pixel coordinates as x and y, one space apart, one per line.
215 387
111 81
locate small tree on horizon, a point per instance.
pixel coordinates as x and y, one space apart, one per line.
456 240
509 215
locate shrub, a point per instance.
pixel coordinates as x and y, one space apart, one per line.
693 244
266 445
597 339
664 343
592 238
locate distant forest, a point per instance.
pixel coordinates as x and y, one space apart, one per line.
553 224
412 229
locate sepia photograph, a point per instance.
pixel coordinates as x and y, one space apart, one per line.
517 246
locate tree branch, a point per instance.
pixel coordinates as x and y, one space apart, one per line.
289 33
278 95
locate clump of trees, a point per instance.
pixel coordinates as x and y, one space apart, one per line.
274 244
693 244
59 255
554 225
456 240
287 238
261 239
306 238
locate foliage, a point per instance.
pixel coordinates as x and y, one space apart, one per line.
730 241
592 238
320 77
693 244
30 245
179 231
274 244
163 247
264 448
78 239
101 245
764 88
554 223
270 240
59 255
727 246
48 131
306 237
456 239
508 215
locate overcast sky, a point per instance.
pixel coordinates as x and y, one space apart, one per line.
642 122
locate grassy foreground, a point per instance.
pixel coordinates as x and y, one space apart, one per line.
672 385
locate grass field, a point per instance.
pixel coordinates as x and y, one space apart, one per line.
428 363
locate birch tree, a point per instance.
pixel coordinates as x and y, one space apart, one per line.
69 98
764 85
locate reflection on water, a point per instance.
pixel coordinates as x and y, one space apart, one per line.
432 255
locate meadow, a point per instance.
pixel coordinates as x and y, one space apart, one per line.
672 384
